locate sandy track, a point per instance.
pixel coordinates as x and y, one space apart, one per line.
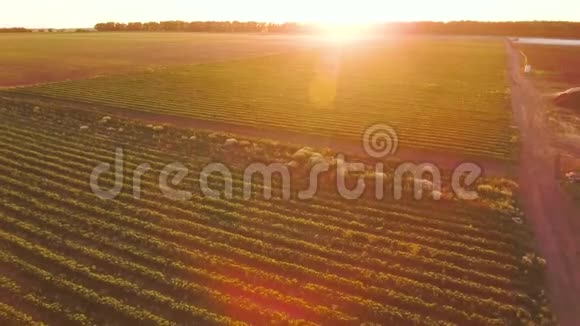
554 217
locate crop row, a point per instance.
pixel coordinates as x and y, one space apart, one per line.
255 93
9 314
288 262
14 291
293 270
153 250
60 190
185 213
234 208
238 183
459 218
414 135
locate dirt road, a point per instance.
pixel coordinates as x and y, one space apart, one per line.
553 216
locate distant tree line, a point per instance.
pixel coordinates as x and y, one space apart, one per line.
202 26
45 30
15 30
531 28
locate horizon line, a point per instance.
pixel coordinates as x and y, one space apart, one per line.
306 22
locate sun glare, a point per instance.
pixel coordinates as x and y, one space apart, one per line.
340 33
342 21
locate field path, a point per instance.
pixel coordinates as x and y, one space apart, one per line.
554 217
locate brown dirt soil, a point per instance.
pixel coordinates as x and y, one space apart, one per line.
550 210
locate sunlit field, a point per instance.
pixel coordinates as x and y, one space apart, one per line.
555 70
70 258
446 94
290 163
559 64
30 58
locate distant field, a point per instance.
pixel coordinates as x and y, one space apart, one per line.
574 191
559 64
441 94
68 257
29 58
557 69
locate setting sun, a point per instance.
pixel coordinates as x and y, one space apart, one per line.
340 33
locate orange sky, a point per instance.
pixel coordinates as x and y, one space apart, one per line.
84 13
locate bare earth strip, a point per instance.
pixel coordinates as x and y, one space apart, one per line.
554 217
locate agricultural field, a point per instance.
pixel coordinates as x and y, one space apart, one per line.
574 190
557 64
71 258
557 69
443 94
32 58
